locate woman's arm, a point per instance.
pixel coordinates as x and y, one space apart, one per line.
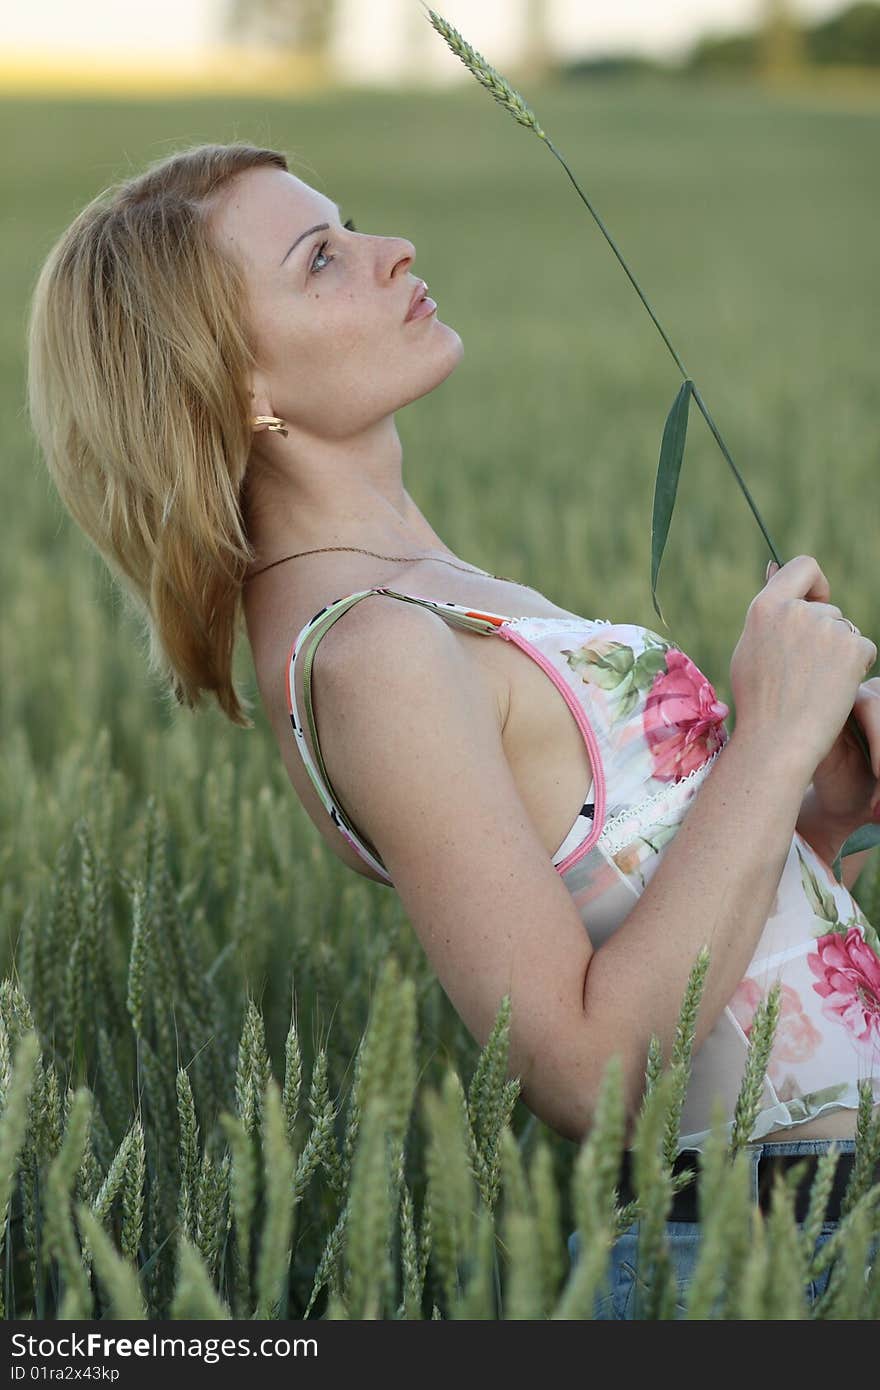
824 841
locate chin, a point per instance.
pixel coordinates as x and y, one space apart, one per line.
454 345
441 366
448 367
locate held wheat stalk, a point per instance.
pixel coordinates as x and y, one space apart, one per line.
675 430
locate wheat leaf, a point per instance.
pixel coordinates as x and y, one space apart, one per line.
666 484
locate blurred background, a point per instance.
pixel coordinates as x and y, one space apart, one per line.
235 44
730 147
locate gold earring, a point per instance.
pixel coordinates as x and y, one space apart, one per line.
272 422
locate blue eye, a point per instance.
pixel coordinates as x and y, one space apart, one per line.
349 227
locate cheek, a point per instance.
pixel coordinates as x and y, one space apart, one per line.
324 331
344 327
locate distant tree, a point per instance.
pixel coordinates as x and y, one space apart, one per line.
615 65
781 48
306 25
733 53
850 36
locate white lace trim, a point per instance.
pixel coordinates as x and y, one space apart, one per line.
772 1117
622 829
556 624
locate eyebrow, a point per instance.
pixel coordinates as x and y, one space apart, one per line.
320 227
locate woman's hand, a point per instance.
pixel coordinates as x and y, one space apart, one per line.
846 792
795 672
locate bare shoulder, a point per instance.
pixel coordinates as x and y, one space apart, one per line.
398 688
385 646
395 690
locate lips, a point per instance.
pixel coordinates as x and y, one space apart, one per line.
419 292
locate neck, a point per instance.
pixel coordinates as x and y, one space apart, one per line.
306 492
390 532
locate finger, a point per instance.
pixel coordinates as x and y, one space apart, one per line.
830 610
867 711
801 578
868 648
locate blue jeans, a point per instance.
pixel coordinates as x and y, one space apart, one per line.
684 1241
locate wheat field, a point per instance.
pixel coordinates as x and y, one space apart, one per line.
231 1085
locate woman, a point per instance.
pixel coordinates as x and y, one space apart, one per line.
215 364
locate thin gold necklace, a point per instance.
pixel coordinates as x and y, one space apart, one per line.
321 549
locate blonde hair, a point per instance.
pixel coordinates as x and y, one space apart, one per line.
139 351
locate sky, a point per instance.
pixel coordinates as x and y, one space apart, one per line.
178 27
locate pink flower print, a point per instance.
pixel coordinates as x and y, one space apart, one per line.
746 998
683 719
849 982
796 1037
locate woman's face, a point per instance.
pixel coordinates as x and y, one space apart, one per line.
328 308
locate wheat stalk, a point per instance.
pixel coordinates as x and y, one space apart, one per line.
13 1124
115 1273
195 1298
274 1255
676 424
369 1217
450 1182
188 1155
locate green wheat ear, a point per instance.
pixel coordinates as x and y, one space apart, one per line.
494 83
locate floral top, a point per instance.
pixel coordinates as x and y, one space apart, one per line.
654 727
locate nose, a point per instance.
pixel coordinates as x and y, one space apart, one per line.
402 250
